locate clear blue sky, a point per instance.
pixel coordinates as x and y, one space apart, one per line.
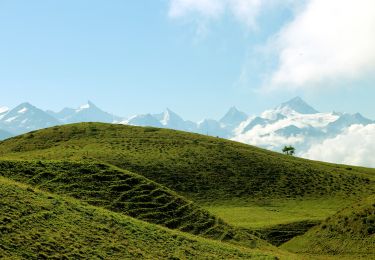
143 56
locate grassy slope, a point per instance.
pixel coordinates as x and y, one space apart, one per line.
245 185
200 167
349 232
36 224
274 212
121 191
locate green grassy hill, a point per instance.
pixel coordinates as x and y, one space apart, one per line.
148 172
121 191
40 225
349 232
199 167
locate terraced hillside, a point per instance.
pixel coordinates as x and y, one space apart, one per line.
40 225
147 173
349 232
200 167
121 191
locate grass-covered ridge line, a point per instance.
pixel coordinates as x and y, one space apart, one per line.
349 232
122 191
38 225
200 167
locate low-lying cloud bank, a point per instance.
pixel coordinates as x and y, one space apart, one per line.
355 146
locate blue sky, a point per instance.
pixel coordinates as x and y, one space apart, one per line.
196 57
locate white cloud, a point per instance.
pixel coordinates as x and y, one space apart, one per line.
355 146
245 11
207 8
327 40
269 141
265 136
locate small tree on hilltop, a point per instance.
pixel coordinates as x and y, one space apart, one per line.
289 150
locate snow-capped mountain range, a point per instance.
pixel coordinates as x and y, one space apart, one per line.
291 123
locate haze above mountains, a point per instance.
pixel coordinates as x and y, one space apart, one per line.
294 123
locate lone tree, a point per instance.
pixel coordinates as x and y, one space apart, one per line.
289 150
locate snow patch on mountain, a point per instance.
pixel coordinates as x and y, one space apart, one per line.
3 110
291 123
142 120
24 118
10 119
85 106
88 112
23 110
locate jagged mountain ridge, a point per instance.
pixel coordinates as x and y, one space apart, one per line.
294 122
25 118
86 113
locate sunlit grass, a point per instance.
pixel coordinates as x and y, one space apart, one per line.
274 212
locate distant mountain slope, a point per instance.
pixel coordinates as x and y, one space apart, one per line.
212 127
201 167
121 191
143 120
5 135
293 123
170 119
3 111
298 105
345 120
233 118
349 232
38 225
167 119
85 113
25 118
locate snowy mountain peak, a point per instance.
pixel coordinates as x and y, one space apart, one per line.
233 117
298 105
25 105
233 110
26 117
23 108
168 117
360 117
88 112
88 105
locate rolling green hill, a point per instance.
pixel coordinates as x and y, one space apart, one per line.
121 191
349 232
40 225
199 167
148 173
